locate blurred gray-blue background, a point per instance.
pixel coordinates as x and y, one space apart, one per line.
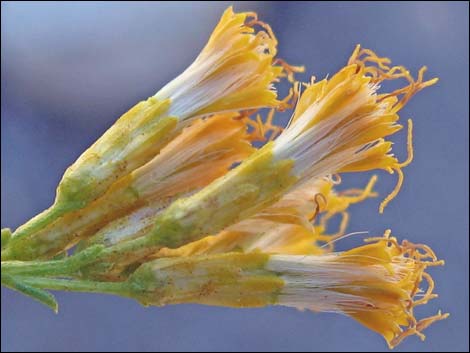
70 69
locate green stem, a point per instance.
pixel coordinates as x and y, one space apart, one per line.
72 265
67 266
117 288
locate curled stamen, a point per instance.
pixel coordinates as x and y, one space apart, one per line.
342 226
358 195
391 241
418 328
263 25
257 133
413 252
329 238
335 179
428 295
383 72
261 129
369 56
290 101
409 146
341 201
410 90
317 198
290 70
424 323
399 166
395 191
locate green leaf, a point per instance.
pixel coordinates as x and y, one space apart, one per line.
38 294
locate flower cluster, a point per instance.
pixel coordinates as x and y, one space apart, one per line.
175 204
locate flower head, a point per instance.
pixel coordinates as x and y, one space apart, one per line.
339 124
234 71
160 214
377 284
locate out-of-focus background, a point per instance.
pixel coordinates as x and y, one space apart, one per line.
70 69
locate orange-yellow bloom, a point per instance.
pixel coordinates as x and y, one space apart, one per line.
162 216
339 124
234 70
377 284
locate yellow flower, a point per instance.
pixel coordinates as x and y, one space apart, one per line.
160 214
339 124
377 284
234 72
